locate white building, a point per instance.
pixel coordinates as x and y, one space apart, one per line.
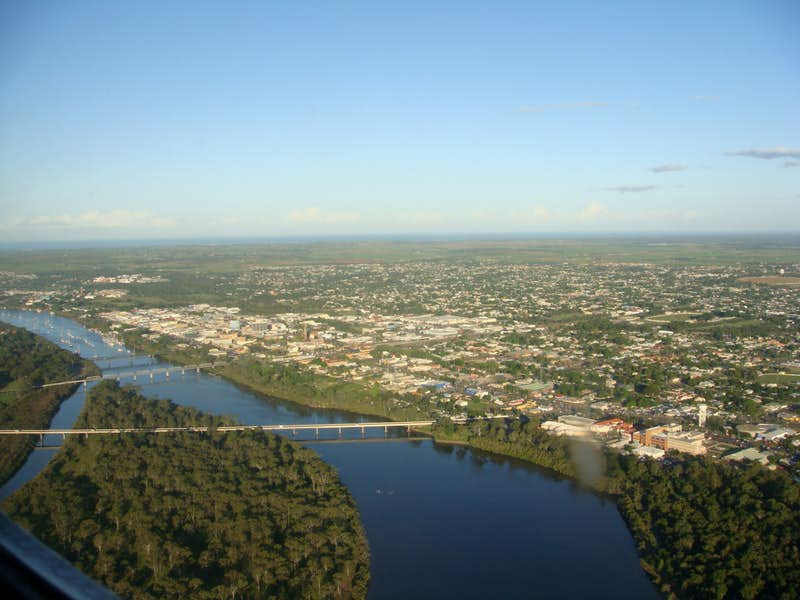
749 454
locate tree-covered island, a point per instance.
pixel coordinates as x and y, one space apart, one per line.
188 514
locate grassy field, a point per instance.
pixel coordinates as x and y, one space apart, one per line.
232 258
771 280
780 378
673 317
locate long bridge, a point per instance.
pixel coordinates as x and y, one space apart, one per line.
151 371
110 357
293 428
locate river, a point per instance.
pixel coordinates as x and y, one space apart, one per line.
442 521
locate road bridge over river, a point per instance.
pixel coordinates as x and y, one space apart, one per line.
292 428
131 373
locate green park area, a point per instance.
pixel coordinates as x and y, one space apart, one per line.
780 378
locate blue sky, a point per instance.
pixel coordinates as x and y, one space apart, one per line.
185 119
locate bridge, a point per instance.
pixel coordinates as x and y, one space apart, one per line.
151 371
121 356
292 428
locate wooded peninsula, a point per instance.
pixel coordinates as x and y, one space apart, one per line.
201 515
28 360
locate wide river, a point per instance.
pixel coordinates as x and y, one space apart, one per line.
442 521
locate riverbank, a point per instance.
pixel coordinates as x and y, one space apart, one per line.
276 380
686 515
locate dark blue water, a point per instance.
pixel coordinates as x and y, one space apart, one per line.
442 521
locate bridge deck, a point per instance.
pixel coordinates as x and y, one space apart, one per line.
143 370
276 427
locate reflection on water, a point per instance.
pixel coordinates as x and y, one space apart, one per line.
442 520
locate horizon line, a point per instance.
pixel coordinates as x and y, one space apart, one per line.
98 243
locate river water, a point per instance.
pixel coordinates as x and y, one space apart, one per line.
442 521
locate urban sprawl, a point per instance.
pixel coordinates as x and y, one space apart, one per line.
642 357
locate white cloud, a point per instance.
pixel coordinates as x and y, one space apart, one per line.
48 221
594 210
305 215
312 214
419 217
768 153
668 168
114 219
534 215
632 189
540 213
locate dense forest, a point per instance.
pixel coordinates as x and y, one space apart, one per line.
195 515
704 529
27 360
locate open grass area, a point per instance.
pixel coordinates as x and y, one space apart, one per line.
771 280
780 378
673 317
